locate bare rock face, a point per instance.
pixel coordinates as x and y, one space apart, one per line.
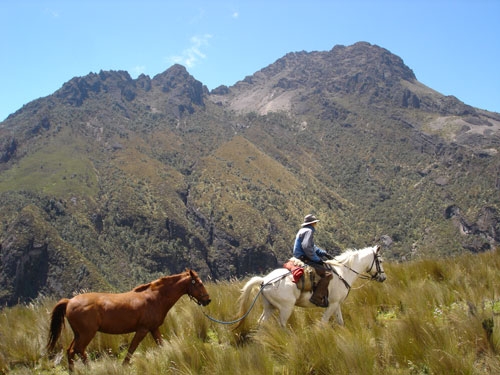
480 235
24 259
34 260
364 70
8 150
79 89
182 91
488 224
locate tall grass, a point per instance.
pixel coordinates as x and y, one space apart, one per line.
429 317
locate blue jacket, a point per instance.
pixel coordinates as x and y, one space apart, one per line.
304 245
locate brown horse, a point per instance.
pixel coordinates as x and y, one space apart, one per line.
141 310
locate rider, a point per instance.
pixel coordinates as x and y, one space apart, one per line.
305 250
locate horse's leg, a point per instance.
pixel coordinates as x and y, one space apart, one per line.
139 335
329 312
286 303
77 346
80 344
285 312
340 319
268 310
334 308
71 354
157 336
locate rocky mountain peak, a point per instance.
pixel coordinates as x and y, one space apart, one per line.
371 60
350 79
180 90
362 69
78 89
179 85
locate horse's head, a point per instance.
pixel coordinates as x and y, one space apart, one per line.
197 290
376 269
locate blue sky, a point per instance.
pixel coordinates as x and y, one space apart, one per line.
452 46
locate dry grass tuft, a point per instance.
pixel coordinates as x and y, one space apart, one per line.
429 317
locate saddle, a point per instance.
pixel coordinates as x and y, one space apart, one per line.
304 276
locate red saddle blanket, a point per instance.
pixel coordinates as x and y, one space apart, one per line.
296 271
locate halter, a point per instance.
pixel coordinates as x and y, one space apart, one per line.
192 285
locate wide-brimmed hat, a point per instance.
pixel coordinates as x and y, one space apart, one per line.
308 220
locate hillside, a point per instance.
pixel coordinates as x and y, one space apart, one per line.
149 176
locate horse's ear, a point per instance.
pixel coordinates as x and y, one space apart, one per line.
377 249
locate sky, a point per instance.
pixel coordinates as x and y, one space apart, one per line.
452 46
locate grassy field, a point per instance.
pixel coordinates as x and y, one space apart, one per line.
429 317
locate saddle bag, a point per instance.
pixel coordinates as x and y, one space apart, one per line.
296 271
303 276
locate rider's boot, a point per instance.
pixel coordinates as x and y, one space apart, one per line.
320 294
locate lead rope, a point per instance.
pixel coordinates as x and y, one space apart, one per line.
251 306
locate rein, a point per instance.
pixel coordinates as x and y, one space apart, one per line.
360 275
262 286
346 284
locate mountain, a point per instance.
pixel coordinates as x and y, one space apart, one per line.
112 181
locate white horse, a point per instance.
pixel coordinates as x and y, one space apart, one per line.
280 292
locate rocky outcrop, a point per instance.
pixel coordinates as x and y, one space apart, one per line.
182 91
34 260
8 150
481 234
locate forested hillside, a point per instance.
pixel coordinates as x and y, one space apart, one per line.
112 181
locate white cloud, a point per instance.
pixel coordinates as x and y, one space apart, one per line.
235 15
52 13
138 70
192 55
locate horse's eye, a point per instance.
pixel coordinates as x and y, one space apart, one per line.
193 282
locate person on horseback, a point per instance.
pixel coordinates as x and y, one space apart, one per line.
305 250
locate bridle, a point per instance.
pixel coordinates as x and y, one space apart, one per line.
376 261
192 285
367 274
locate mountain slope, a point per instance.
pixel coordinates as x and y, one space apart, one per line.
150 176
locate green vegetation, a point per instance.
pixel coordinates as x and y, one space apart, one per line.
150 176
60 168
429 317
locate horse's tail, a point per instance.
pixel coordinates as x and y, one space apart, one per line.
245 299
57 322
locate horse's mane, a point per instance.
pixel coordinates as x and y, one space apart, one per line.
161 280
347 255
141 288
